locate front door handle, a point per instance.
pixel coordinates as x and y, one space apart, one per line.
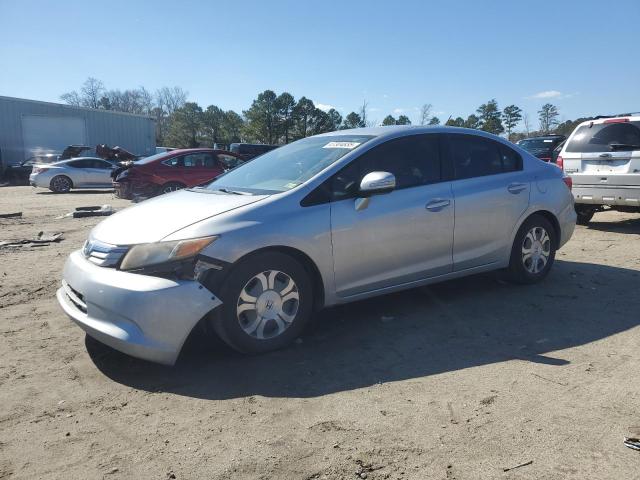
516 188
438 204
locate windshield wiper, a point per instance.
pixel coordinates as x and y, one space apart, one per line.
234 192
623 146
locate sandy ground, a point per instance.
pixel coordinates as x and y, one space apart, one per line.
456 381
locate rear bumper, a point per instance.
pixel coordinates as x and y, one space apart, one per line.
628 196
143 316
37 180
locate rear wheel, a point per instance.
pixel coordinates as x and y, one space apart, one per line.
533 251
585 214
267 301
60 184
172 187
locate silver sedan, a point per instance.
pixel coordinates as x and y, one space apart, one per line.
76 173
325 220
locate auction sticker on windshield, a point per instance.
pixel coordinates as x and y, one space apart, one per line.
347 145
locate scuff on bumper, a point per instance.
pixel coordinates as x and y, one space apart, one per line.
143 316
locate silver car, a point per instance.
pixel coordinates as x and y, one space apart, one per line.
76 173
325 220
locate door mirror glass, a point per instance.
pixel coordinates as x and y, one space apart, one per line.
376 183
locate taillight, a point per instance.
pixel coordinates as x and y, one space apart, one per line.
560 162
568 182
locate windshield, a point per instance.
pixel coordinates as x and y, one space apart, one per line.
287 167
606 137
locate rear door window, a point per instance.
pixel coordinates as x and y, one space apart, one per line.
474 156
605 137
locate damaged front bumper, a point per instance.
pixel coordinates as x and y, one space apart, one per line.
143 316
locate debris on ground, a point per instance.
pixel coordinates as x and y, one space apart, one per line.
517 466
90 211
11 215
633 443
42 240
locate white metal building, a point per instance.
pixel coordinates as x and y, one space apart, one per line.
30 127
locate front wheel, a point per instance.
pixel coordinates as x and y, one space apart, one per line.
267 301
533 251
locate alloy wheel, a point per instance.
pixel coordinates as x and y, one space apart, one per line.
60 184
268 304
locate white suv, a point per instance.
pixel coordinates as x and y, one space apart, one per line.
602 157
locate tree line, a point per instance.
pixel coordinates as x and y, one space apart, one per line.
280 118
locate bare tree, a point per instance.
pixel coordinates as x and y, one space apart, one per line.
92 91
363 114
527 123
425 113
169 99
72 98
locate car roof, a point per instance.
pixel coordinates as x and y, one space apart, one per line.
395 131
596 121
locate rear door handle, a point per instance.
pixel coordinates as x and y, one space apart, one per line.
438 204
516 188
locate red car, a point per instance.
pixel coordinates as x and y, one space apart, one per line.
169 171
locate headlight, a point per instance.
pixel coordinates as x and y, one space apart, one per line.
148 254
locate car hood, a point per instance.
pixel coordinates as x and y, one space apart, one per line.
154 219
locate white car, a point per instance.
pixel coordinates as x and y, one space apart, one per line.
602 157
76 173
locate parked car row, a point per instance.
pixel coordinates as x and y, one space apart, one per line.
166 171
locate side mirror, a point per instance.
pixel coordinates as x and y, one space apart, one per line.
376 183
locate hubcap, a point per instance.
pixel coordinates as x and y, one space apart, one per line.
268 304
536 248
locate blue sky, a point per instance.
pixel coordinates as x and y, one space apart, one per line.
579 55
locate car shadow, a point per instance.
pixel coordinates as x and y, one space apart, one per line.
450 326
78 192
627 226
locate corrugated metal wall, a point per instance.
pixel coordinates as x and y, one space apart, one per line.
135 133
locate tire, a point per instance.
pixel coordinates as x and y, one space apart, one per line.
533 251
267 323
60 184
584 214
171 187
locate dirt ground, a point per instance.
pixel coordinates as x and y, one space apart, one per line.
460 380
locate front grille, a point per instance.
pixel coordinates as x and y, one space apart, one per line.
103 254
